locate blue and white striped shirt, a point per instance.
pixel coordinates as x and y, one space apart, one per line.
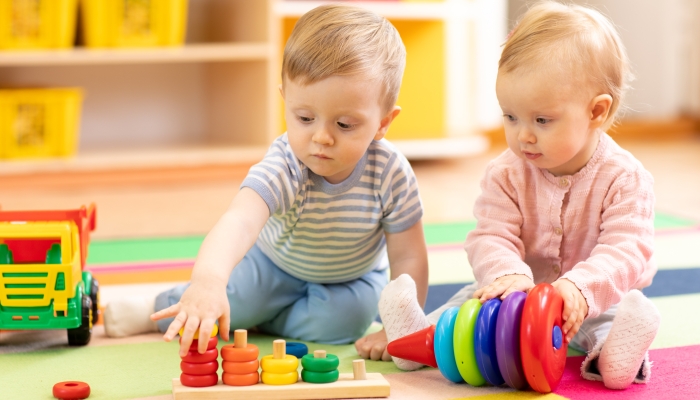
325 233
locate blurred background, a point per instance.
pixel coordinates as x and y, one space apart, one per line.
155 109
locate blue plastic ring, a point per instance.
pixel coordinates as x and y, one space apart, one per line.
297 349
485 342
444 345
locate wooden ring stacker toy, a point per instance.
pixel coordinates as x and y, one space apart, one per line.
71 390
534 342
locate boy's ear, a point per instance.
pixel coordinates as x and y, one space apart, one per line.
281 87
386 122
600 108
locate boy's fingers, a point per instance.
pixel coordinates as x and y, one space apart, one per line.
188 335
205 329
175 326
166 313
225 326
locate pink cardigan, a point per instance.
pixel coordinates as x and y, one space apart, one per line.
594 228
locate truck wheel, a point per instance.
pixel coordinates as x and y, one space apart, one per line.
95 297
80 336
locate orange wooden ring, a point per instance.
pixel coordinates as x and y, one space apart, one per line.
241 367
199 369
196 358
232 353
199 380
240 380
213 342
71 390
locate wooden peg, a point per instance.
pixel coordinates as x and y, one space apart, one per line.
240 338
279 349
319 354
359 372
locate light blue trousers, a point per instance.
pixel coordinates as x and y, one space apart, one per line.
261 294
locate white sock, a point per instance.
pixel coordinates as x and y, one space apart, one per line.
634 328
401 314
129 316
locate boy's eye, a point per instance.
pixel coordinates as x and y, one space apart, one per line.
541 120
344 125
305 119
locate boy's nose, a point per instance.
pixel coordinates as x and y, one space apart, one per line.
323 137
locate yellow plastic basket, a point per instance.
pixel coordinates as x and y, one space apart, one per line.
39 122
37 24
134 23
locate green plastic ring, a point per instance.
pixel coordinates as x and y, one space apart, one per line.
328 364
319 377
464 343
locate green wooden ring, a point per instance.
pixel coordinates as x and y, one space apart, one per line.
319 377
328 364
464 343
279 366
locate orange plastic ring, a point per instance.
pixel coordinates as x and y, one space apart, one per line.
199 380
241 367
208 368
232 353
240 380
213 342
196 358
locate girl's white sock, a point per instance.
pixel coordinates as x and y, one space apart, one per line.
401 314
635 325
129 316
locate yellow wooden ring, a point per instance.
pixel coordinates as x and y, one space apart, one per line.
279 366
279 379
214 332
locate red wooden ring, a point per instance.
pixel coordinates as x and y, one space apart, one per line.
208 368
543 364
248 353
196 358
213 342
71 390
241 367
240 380
199 380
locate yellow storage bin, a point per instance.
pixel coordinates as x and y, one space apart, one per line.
39 122
134 23
37 24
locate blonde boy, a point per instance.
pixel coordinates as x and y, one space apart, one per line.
303 250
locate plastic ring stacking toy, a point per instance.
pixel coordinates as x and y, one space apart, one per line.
71 390
444 345
232 353
213 342
508 340
240 379
327 364
319 377
485 342
464 343
240 367
288 378
197 358
543 358
297 349
199 380
199 369
279 366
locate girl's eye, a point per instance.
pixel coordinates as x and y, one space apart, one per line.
541 120
509 117
344 126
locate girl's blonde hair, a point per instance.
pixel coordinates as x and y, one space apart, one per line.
341 40
575 40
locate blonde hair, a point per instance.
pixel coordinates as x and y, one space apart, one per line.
575 37
341 40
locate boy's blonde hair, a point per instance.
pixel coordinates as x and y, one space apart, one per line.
341 40
575 40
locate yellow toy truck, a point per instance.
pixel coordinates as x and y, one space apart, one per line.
43 284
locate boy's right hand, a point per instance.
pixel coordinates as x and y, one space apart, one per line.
199 308
504 286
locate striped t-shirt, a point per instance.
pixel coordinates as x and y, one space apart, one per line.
328 233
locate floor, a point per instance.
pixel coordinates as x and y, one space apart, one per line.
448 189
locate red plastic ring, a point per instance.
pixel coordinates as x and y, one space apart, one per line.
240 380
199 380
196 358
241 367
71 390
199 369
213 342
232 353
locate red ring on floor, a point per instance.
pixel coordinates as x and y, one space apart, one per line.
70 390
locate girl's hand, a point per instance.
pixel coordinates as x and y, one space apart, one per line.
575 307
504 286
199 308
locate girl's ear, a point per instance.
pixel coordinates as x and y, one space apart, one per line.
600 108
386 122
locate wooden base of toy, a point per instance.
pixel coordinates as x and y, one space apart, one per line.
344 388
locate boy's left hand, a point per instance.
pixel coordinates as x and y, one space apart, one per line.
575 307
373 346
